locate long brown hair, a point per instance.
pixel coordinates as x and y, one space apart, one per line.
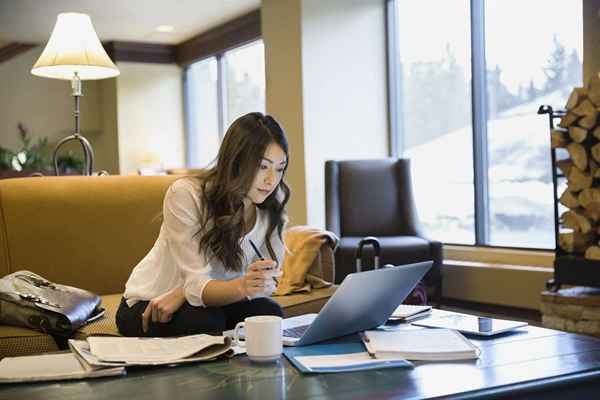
225 185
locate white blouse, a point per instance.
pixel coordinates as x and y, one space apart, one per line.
175 259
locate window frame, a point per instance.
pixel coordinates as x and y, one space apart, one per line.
216 42
478 112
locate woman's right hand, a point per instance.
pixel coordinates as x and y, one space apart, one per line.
258 278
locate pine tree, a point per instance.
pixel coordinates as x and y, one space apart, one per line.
556 68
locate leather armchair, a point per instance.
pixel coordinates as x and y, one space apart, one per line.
374 198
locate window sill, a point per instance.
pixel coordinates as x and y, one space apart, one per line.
500 256
495 283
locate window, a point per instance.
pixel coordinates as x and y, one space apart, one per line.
218 90
465 92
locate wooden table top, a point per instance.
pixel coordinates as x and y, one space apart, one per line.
530 362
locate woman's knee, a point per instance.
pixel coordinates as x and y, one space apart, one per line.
189 320
265 306
129 320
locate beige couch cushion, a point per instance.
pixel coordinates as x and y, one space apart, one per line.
16 341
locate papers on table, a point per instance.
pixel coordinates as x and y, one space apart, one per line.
409 312
46 367
106 356
421 344
157 351
345 357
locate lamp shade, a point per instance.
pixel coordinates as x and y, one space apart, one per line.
74 47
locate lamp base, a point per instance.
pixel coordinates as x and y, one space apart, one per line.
88 153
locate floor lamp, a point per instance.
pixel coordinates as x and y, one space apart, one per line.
75 53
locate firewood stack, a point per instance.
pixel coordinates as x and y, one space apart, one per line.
579 133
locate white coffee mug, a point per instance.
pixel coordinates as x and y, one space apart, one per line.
262 334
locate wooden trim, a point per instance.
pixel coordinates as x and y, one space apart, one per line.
140 52
235 33
494 284
500 256
12 49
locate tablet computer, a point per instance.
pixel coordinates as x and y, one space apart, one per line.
471 324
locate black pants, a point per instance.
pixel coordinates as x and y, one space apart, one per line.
190 320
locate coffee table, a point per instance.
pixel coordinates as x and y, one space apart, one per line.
528 363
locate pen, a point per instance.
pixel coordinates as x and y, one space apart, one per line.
256 250
260 256
367 343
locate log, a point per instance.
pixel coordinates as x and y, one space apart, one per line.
584 108
568 120
596 151
578 180
576 220
577 95
593 166
574 242
589 121
569 200
593 88
558 138
596 133
579 155
592 212
592 253
589 196
564 166
577 133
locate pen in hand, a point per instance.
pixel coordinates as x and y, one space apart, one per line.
260 256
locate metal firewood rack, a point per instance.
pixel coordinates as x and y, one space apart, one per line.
569 269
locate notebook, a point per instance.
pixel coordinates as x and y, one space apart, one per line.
342 357
420 344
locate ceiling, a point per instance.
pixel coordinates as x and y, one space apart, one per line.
31 21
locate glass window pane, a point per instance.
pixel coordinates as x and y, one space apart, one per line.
245 80
435 113
203 112
527 65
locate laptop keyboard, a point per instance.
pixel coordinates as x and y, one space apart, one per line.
295 332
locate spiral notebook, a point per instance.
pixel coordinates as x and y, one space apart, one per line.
420 344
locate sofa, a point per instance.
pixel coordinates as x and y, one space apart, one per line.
90 232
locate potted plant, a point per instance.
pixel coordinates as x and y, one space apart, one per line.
35 157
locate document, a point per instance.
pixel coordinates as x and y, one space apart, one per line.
50 367
409 312
153 351
347 357
421 344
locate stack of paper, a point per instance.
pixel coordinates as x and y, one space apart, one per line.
106 356
107 350
50 367
408 312
421 344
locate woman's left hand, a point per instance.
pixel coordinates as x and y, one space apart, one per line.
162 308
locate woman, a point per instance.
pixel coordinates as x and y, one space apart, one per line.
202 275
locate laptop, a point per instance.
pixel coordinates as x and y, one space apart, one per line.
364 300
